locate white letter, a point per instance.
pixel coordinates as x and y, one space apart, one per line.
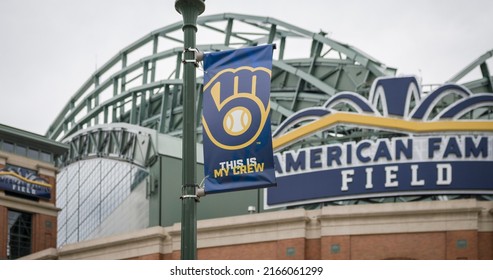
414 181
346 179
448 177
369 176
390 176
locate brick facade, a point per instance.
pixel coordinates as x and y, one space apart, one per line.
335 247
446 230
485 245
256 251
422 246
312 249
44 212
3 232
44 232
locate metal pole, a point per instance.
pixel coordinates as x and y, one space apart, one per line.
190 10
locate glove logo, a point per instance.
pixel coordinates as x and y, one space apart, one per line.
234 100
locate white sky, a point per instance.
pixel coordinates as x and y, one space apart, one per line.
48 48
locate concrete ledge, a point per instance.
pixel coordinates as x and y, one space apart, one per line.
422 216
140 243
406 217
41 207
486 216
245 229
46 169
47 254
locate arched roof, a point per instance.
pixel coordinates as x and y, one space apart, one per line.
141 84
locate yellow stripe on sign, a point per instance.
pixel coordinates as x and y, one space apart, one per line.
24 179
379 122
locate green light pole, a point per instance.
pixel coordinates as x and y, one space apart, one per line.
190 10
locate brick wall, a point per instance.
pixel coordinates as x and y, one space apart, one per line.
485 245
3 232
44 232
312 249
462 245
52 182
421 246
218 239
288 249
253 251
335 248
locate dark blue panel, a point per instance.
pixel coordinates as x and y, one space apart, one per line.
237 137
466 177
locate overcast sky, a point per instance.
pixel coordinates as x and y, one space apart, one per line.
50 47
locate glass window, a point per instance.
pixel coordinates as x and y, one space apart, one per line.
32 153
46 157
19 234
89 191
21 150
8 147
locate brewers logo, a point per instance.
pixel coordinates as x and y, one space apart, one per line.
236 102
236 125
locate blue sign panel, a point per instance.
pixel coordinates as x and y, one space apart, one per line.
236 124
402 166
25 182
442 150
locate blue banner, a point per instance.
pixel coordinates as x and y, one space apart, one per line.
236 124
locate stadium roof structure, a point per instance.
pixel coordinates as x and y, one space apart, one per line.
141 85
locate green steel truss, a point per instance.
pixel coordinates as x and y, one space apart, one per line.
122 142
142 84
483 84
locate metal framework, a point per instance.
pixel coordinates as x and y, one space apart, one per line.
123 142
142 84
485 83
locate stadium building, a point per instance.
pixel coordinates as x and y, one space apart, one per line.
28 214
368 165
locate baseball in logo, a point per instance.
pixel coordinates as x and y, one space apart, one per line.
235 113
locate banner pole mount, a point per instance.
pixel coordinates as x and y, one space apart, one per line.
197 57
